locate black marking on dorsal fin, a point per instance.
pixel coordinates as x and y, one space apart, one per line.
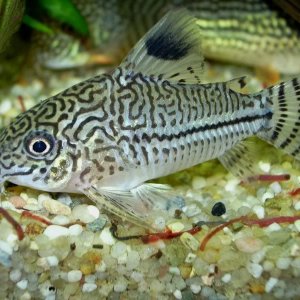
242 82
167 46
171 51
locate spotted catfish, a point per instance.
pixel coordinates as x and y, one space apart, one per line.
105 137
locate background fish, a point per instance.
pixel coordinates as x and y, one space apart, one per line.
105 137
252 32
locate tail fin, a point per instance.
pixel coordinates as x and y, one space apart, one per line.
284 128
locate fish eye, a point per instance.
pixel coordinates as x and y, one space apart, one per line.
39 143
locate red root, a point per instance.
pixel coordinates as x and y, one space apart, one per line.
21 101
13 222
270 177
246 221
294 192
167 235
29 215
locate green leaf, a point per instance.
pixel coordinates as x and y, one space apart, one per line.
65 11
36 24
11 13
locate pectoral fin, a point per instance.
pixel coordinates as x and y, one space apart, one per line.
241 160
141 205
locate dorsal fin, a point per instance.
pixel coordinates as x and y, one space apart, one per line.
170 50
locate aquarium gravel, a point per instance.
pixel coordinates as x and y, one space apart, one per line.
70 250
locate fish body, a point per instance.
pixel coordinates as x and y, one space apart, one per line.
252 32
105 137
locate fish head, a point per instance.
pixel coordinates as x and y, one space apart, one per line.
33 152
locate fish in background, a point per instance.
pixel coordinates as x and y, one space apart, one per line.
107 136
255 33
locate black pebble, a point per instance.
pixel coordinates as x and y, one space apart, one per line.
218 209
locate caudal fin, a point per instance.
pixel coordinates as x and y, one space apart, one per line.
283 129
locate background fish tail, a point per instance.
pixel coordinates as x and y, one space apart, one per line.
283 128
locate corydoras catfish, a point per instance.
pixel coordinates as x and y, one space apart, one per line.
106 136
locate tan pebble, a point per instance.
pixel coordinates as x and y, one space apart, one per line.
17 201
56 208
248 244
33 229
185 271
256 288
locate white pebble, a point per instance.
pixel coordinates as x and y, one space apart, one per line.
189 241
267 195
121 285
264 166
27 296
89 287
133 260
43 263
159 223
191 210
101 267
258 256
7 205
90 278
177 294
60 220
22 284
259 211
198 182
75 229
297 205
273 227
11 239
94 211
174 270
15 275
41 198
84 213
190 258
270 284
6 247
231 185
248 244
137 276
283 263
255 269
52 261
296 263
74 275
5 106
176 227
118 249
226 278
195 288
54 231
268 265
106 237
276 187
56 208
297 225
31 207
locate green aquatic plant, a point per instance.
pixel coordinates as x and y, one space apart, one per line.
11 13
63 11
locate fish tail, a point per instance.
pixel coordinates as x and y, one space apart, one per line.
283 125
